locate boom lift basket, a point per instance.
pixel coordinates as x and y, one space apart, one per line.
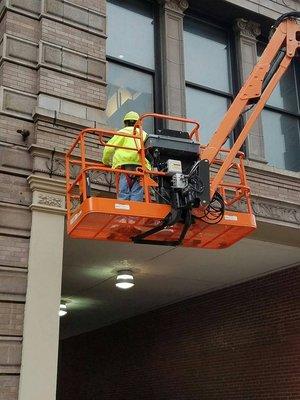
204 205
91 214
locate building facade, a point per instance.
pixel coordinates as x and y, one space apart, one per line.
69 64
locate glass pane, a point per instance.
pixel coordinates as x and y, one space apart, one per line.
282 140
285 95
128 90
206 52
208 109
130 32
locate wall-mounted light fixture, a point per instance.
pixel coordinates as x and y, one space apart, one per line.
62 309
125 279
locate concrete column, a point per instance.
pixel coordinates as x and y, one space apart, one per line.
246 44
173 58
41 322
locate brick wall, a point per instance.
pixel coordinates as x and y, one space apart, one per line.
52 62
237 343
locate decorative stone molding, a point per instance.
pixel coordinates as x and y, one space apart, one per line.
48 194
50 200
267 209
42 159
59 10
247 28
72 62
175 5
274 212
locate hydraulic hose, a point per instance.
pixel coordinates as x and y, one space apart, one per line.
292 14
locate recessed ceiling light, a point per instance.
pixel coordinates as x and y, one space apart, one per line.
62 309
125 279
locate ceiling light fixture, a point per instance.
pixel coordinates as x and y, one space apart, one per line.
125 279
62 309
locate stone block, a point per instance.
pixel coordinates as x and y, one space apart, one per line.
48 102
52 55
96 68
11 319
76 14
74 62
97 22
32 6
21 50
19 103
55 7
14 190
12 282
71 108
9 387
70 61
10 354
14 220
15 158
94 114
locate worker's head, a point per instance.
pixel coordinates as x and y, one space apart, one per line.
130 118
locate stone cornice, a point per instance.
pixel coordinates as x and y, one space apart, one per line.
246 28
45 184
271 210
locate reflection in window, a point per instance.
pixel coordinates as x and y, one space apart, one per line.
208 77
130 52
197 103
282 140
206 55
130 31
281 121
285 95
127 90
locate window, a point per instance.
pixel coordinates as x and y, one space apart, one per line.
281 123
208 74
131 61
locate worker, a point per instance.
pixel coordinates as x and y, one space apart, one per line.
118 157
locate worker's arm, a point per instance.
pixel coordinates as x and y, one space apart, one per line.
109 151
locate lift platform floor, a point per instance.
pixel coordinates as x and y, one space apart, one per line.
120 220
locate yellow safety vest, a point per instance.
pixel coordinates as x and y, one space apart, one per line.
116 157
